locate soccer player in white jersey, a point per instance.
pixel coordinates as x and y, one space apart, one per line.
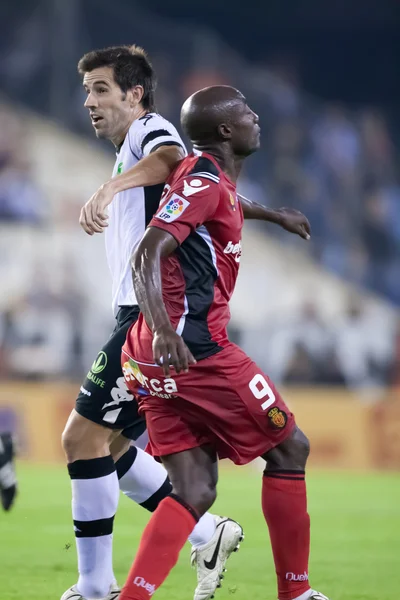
120 85
97 439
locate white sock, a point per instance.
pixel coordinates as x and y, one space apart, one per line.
95 494
146 482
142 479
203 532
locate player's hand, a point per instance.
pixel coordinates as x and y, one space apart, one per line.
93 218
169 349
295 222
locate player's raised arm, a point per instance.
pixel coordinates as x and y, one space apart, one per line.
168 347
288 218
150 170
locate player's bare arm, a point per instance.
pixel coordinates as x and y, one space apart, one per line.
168 347
150 170
288 218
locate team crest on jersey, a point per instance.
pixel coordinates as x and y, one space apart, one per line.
173 209
232 201
277 417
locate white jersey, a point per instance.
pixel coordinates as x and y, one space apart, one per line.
131 210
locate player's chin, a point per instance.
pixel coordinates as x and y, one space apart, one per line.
100 131
100 134
254 147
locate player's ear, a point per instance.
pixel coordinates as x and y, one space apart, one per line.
225 131
135 95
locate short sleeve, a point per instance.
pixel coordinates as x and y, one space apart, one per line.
150 132
191 202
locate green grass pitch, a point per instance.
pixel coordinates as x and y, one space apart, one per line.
355 538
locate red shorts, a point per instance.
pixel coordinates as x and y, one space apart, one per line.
224 400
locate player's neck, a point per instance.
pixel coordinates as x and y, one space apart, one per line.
137 113
229 163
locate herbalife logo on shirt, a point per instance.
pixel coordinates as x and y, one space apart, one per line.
120 167
100 363
97 367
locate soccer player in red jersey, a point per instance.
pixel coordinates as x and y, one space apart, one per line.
202 396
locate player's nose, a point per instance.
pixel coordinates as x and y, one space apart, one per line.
90 101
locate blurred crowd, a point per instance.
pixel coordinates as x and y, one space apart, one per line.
339 167
358 349
42 330
21 201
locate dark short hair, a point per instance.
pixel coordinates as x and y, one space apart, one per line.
130 65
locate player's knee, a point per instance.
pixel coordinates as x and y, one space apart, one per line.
206 498
200 496
299 447
68 442
203 500
72 444
296 451
84 440
292 454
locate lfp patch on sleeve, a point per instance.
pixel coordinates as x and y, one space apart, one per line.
173 209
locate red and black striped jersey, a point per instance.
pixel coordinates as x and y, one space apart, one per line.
199 207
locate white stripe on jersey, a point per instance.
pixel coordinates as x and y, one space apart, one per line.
214 178
202 231
158 141
182 320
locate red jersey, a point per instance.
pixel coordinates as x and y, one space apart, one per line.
199 207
